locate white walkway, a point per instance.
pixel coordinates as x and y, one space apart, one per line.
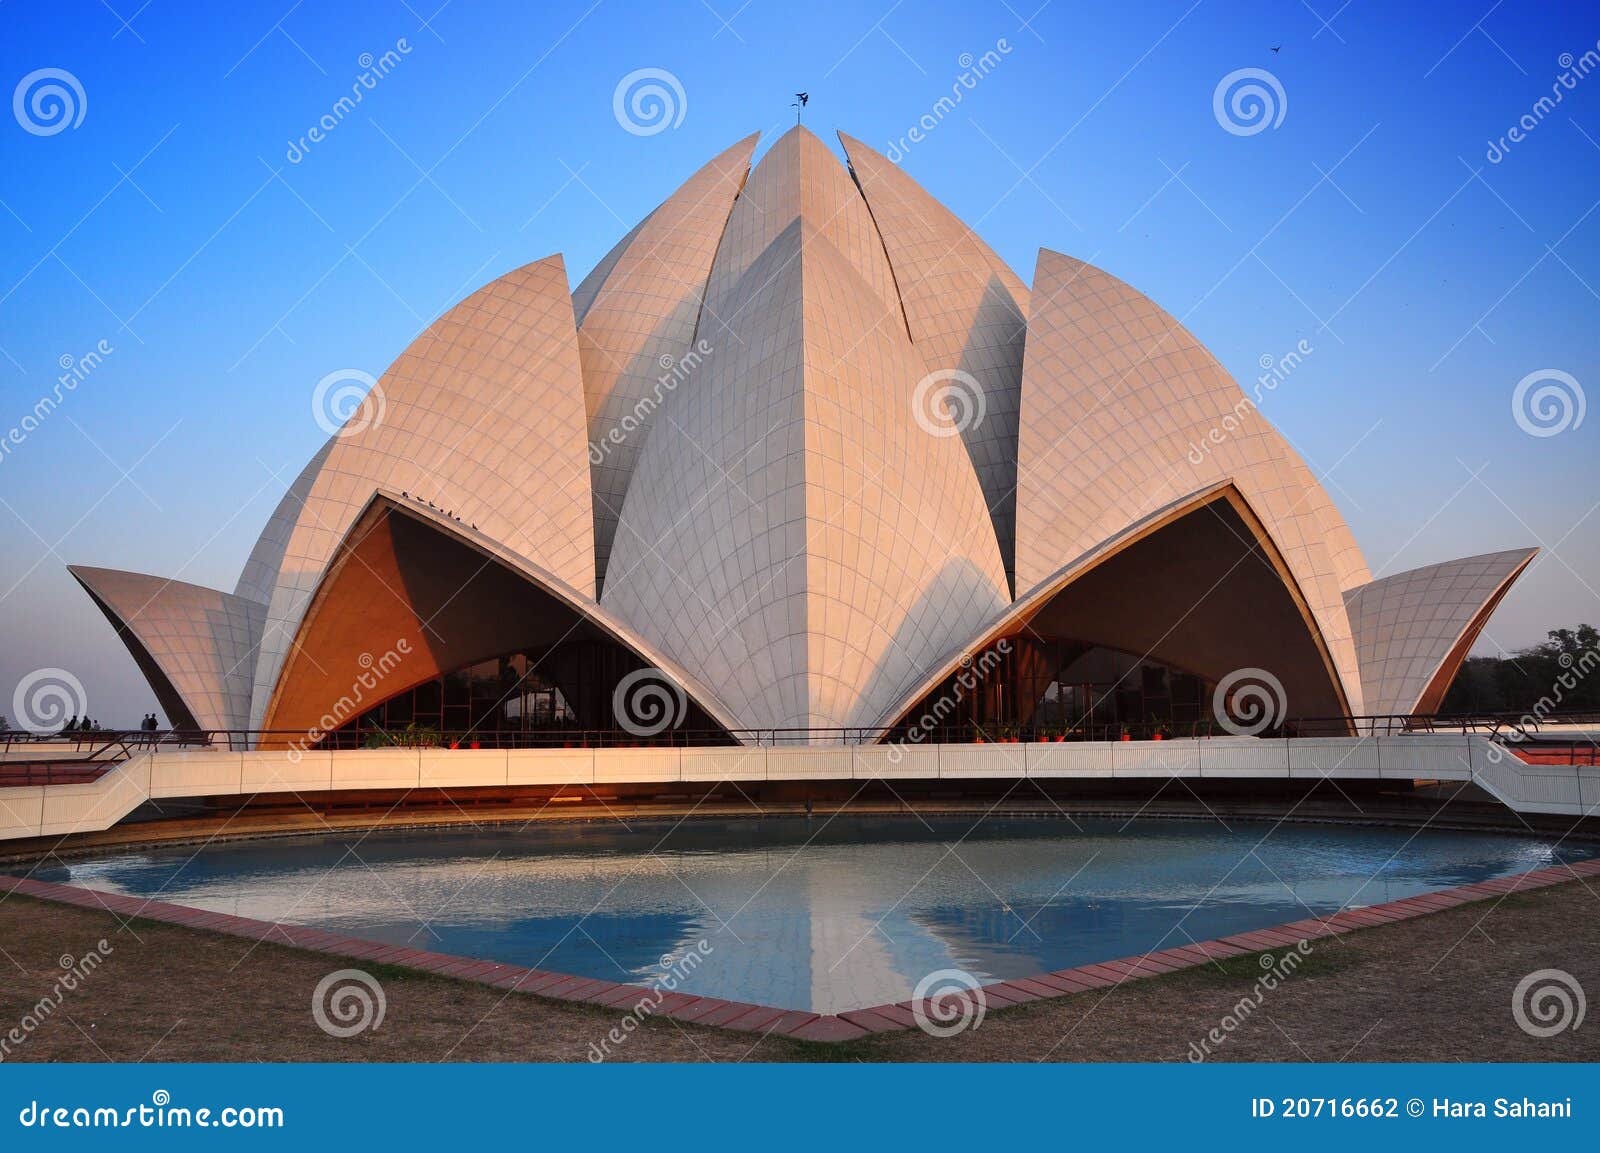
53 810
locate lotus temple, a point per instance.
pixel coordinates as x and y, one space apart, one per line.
802 516
806 456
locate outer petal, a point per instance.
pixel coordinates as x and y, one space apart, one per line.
1123 412
1415 628
966 310
636 320
483 416
195 645
792 533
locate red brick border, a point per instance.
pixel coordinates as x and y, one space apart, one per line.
797 1023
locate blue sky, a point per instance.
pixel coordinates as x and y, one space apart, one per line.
171 224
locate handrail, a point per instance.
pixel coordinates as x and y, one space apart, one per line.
109 746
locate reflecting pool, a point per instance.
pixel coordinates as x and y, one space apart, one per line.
820 914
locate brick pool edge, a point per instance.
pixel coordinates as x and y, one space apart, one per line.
795 1023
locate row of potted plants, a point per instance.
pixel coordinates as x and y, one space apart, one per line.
1011 734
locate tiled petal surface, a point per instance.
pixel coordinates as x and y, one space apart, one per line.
637 314
792 533
1408 626
483 415
202 640
966 310
1124 412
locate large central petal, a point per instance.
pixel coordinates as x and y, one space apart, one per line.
792 532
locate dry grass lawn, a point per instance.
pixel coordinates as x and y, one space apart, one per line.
1436 988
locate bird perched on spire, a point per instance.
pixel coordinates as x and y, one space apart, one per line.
800 101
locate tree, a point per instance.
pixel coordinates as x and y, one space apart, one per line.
1559 675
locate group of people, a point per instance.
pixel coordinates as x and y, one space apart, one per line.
148 724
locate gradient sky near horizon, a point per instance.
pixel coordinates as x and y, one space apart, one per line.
228 278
